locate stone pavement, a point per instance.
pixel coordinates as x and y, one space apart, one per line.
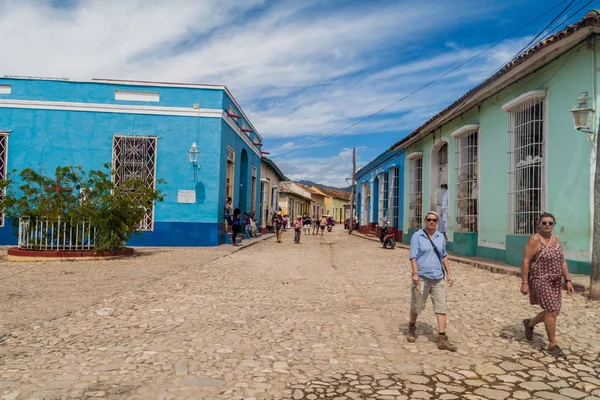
321 320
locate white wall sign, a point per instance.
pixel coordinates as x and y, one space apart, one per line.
186 196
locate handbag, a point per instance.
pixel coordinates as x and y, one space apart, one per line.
437 252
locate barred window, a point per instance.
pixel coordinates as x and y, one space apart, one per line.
134 157
3 168
526 168
394 183
466 182
382 212
415 196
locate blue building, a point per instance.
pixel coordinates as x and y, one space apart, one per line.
146 129
379 189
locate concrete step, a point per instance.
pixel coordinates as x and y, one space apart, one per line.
239 238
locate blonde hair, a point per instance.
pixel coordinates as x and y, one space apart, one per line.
433 213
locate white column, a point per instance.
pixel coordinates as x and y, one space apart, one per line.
372 197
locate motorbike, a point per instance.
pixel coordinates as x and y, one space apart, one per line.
329 228
385 238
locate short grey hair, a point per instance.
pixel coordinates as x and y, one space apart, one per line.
433 213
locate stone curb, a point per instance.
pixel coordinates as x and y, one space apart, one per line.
496 269
254 241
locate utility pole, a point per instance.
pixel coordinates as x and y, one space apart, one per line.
353 192
595 271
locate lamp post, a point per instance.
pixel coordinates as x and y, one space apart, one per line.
583 115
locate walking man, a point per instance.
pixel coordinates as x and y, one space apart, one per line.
429 262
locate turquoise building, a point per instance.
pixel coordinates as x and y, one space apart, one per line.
146 129
507 151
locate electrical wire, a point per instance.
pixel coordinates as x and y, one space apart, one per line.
534 40
565 21
422 87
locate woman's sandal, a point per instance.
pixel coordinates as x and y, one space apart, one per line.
555 351
528 330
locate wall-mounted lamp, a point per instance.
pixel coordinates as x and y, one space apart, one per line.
193 153
583 114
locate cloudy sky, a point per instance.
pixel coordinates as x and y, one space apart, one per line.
301 69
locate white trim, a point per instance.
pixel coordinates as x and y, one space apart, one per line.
525 97
465 130
130 109
112 108
491 245
142 83
5 89
414 155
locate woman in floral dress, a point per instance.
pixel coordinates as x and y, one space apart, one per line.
544 266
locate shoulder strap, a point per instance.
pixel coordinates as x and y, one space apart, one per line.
436 251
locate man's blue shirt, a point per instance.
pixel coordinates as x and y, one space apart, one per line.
427 261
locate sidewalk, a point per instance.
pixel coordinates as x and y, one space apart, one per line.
581 283
244 243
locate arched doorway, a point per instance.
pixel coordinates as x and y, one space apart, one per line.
243 204
439 182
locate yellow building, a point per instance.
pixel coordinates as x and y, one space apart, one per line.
335 202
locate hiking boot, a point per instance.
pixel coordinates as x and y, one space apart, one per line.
411 336
444 343
528 330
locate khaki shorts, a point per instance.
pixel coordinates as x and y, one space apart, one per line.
439 295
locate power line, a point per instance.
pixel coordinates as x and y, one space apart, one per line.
564 21
424 86
461 107
546 27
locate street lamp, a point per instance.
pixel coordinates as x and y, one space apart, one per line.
193 153
583 114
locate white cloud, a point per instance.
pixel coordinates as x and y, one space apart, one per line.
297 67
328 171
301 69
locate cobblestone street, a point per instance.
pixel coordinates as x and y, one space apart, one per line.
321 320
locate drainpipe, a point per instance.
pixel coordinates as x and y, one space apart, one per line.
595 191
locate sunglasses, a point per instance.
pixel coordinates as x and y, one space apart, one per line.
431 219
549 223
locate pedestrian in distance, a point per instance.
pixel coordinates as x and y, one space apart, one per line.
286 222
544 267
253 228
236 228
315 224
228 214
306 223
297 229
278 225
247 226
430 270
322 224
